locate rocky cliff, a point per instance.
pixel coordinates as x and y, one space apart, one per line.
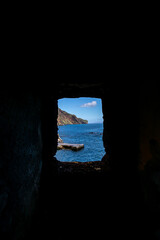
65 118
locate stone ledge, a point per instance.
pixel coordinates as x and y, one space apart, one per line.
73 147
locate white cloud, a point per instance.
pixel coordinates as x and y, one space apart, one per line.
90 104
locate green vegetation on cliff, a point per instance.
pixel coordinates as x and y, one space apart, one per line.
65 118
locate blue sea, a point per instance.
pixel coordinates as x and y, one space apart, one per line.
88 134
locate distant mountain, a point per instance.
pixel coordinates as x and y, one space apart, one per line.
65 118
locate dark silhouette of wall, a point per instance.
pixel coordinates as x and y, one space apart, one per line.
28 170
20 162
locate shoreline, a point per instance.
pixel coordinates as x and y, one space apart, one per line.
78 124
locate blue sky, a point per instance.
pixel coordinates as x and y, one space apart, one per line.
87 108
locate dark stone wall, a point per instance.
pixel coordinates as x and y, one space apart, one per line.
49 113
149 123
149 152
132 142
20 162
121 129
29 138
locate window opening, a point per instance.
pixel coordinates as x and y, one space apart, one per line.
80 130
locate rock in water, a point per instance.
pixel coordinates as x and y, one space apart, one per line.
74 147
59 139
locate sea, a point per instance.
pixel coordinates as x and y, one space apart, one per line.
88 134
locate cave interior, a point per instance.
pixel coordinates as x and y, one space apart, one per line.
123 199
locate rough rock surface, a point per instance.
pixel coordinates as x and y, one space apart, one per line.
60 139
74 147
83 168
